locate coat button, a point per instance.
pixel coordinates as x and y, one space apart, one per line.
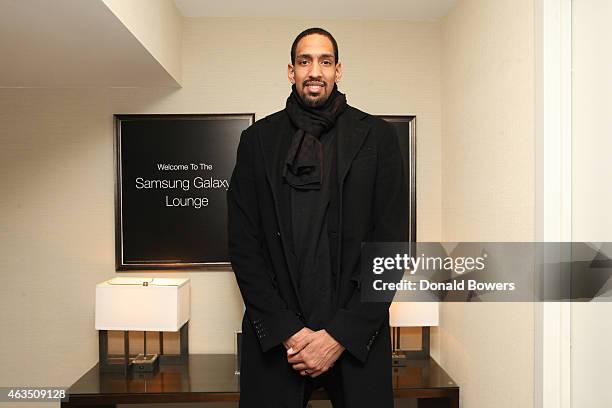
278 233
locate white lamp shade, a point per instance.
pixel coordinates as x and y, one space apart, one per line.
414 314
126 304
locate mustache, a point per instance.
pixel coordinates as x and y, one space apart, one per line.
314 82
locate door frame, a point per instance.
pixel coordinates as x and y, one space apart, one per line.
553 218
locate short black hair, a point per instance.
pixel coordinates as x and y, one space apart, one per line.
310 31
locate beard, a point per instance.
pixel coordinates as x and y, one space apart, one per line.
313 101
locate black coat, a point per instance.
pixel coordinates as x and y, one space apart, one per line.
373 202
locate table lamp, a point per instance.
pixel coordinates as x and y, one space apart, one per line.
412 314
142 304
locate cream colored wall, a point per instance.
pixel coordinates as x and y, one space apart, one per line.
488 188
56 172
591 325
158 25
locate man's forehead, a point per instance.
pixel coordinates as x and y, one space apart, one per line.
314 44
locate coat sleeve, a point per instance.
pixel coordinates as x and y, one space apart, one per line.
267 311
357 324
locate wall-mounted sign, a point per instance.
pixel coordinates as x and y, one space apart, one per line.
172 176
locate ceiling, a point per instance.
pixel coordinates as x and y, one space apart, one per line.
411 10
67 43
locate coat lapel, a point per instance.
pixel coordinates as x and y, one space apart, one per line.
352 131
351 135
275 139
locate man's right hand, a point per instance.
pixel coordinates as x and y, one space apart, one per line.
295 339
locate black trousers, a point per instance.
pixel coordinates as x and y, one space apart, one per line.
331 381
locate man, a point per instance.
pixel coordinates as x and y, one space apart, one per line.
311 183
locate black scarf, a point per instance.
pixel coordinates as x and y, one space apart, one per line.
305 159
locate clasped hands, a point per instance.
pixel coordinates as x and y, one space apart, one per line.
312 352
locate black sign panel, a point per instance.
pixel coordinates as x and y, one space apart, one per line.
173 172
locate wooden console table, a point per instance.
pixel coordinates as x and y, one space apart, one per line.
211 378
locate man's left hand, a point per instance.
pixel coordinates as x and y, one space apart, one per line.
315 353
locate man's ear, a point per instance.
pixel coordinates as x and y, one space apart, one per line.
291 73
338 71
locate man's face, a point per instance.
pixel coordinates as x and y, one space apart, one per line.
315 70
